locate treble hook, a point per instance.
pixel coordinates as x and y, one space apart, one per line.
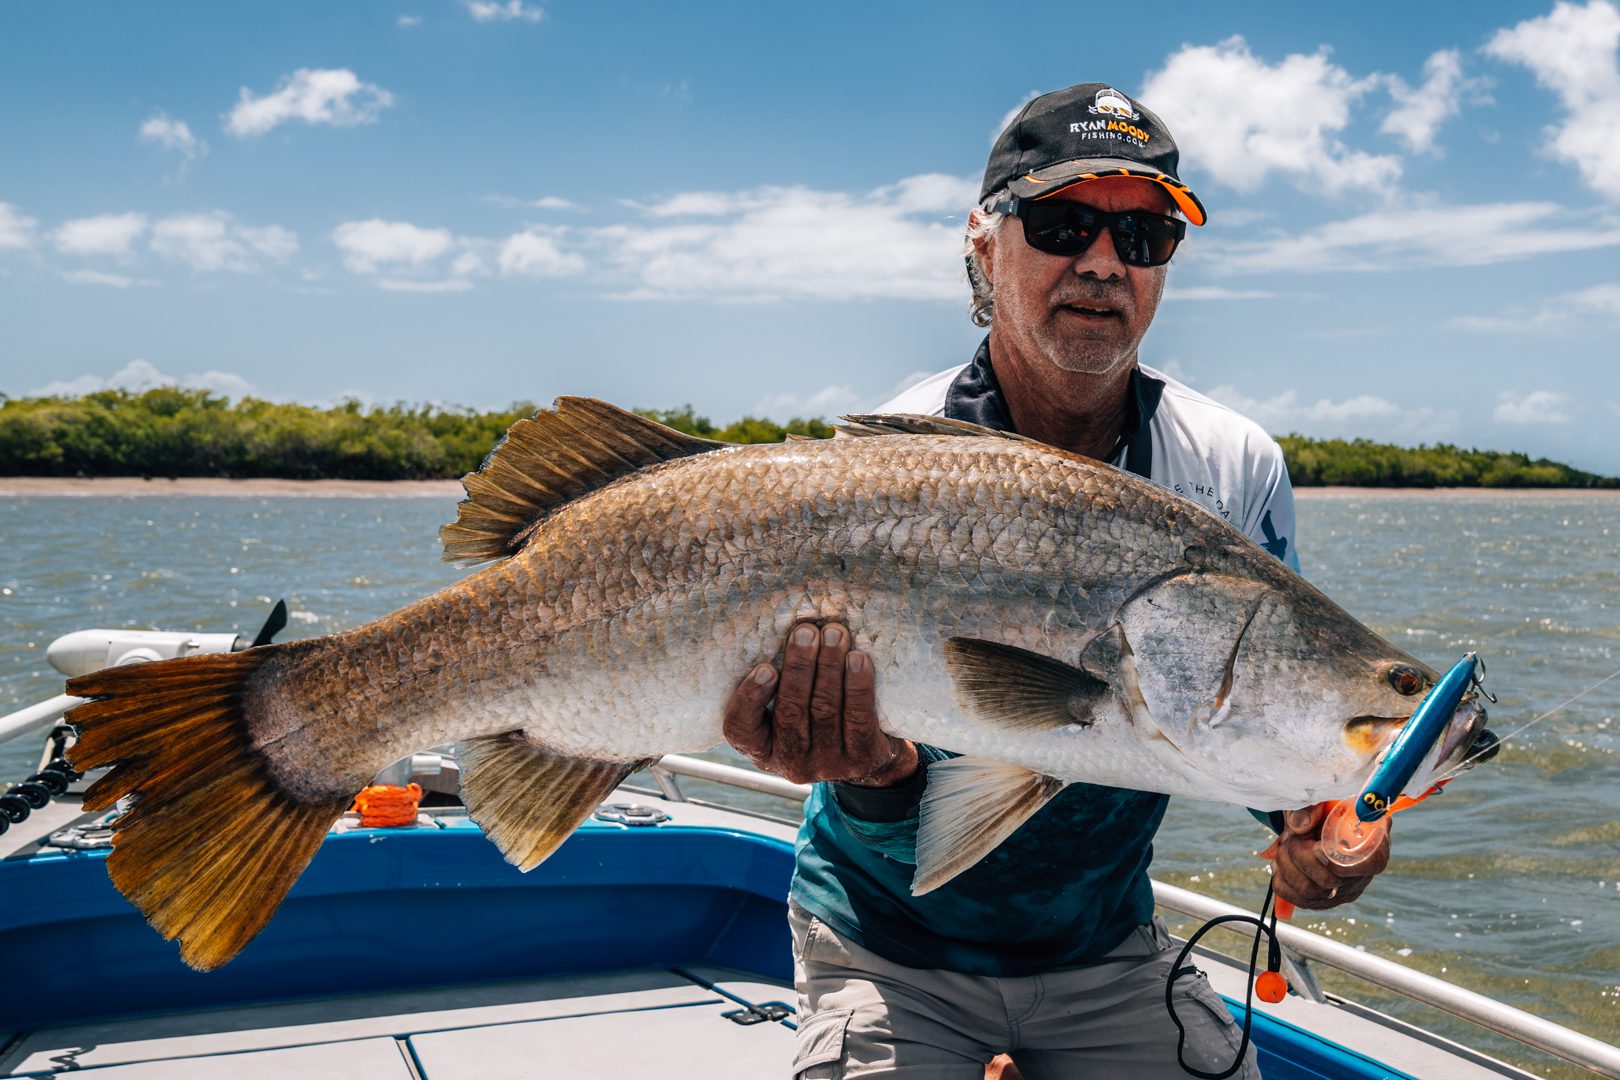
1477 678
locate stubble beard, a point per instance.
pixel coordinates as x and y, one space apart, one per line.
1096 356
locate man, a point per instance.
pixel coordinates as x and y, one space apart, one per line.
1048 948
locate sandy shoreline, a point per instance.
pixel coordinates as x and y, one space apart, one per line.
123 486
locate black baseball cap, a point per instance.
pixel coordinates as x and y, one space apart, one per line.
1084 133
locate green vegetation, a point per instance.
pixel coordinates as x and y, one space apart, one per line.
1314 462
174 432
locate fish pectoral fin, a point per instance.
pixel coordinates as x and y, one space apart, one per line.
528 799
1019 689
969 807
543 462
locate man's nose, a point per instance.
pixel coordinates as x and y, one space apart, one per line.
1100 259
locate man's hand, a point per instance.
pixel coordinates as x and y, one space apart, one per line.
824 725
1306 877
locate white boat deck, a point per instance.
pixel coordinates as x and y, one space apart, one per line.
650 1022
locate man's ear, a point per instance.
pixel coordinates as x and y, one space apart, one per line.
984 246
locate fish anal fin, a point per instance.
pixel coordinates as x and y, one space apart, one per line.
969 806
211 843
1019 689
559 454
529 799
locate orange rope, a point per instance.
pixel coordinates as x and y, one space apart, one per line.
384 806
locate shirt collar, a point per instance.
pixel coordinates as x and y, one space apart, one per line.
975 396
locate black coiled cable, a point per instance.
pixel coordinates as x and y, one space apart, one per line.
33 793
1180 969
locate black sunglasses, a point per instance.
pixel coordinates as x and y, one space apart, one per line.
1063 227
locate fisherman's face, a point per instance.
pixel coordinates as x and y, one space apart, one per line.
1084 313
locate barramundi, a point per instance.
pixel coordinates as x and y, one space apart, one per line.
1047 618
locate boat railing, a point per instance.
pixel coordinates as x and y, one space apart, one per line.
1562 1042
1300 946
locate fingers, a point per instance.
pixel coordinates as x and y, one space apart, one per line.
1306 821
864 743
747 727
827 697
1306 877
792 731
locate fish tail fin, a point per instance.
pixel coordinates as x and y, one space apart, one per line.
212 843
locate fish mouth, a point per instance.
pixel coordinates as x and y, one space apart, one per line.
1464 732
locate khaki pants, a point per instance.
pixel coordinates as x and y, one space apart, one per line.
862 1016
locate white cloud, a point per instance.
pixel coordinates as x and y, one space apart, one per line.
412 285
536 253
792 243
689 204
1416 235
369 244
1009 116
172 134
1239 119
828 401
96 277
214 241
1216 292
1362 415
1536 407
467 264
1418 114
544 202
494 11
16 228
407 21
1572 51
139 375
1557 312
104 234
327 96
932 193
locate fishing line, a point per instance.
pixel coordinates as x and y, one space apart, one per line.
1467 761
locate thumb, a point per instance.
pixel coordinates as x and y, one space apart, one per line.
1305 821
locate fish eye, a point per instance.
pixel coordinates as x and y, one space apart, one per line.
1406 680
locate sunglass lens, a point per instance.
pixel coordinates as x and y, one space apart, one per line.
1059 228
1066 228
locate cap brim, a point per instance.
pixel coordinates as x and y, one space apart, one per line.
1054 178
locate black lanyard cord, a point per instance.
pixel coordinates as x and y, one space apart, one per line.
1181 969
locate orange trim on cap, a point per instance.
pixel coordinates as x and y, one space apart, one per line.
1179 192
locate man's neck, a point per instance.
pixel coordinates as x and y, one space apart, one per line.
1074 411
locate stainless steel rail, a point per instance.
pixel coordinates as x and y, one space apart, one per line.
1583 1050
36 717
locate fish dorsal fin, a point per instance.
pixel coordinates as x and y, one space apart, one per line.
969 806
1022 690
576 446
918 424
527 799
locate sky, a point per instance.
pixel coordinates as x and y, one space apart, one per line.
1414 210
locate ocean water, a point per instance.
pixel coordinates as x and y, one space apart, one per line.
1509 883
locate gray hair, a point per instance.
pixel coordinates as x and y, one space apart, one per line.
981 223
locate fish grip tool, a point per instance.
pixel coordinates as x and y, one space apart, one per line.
1353 827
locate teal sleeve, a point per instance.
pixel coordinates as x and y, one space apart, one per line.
885 819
